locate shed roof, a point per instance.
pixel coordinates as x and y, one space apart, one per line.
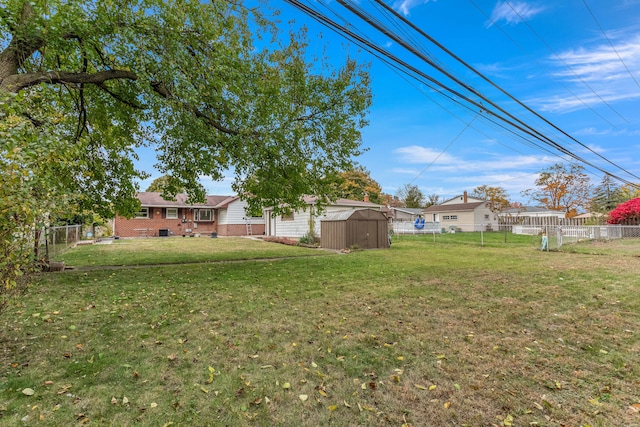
354 214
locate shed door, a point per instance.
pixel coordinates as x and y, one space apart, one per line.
367 234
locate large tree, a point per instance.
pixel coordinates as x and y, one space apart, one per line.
432 200
209 85
562 189
356 183
607 195
496 196
411 196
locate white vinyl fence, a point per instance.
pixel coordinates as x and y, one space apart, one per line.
559 234
409 227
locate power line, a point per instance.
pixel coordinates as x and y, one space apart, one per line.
483 77
515 43
610 43
456 95
564 62
533 132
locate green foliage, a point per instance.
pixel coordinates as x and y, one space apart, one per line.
357 183
606 197
310 239
411 196
496 196
210 86
165 184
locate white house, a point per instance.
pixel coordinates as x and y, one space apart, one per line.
463 213
299 223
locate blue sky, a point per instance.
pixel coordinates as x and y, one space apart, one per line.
574 62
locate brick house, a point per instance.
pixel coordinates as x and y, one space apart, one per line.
222 215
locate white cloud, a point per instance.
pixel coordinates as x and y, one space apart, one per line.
599 74
513 12
405 6
417 154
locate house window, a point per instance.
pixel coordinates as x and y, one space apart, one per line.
450 217
288 217
172 213
143 213
486 217
203 215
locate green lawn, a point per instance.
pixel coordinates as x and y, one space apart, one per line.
423 334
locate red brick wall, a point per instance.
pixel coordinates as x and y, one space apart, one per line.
149 227
240 229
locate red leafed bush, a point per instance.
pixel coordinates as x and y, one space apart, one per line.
627 213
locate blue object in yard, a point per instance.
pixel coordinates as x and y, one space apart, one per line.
419 224
545 242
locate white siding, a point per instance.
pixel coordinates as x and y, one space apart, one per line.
300 224
297 227
235 213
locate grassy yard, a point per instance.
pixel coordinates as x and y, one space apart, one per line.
423 334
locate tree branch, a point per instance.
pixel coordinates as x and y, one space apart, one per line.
17 82
161 89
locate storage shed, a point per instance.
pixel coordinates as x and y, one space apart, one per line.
366 228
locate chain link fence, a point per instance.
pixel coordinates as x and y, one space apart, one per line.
544 237
552 237
56 240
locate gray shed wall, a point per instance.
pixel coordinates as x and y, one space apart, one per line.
366 228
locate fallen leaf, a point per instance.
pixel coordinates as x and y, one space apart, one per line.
432 387
47 383
322 392
346 404
303 397
332 407
125 401
286 386
447 405
421 387
114 401
153 405
28 392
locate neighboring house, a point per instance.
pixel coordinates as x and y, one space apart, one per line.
403 214
218 215
530 212
298 223
463 213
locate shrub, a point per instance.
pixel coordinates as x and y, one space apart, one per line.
627 213
310 239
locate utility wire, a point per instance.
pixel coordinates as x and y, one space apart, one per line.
515 43
456 94
610 43
485 78
531 131
565 63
